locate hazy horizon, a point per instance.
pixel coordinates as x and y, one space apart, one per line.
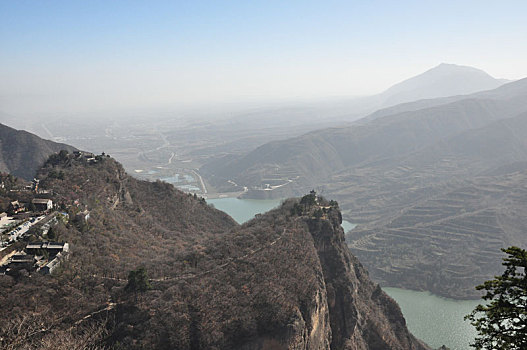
76 57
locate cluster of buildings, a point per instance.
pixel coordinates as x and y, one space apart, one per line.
88 157
38 205
21 217
43 257
30 217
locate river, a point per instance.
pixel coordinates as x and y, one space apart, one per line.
435 320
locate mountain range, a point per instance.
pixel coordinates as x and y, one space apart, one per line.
383 139
396 159
446 80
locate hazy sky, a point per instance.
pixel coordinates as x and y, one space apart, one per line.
89 55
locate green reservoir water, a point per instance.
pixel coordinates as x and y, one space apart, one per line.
347 226
435 320
243 210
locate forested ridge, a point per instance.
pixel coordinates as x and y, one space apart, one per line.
154 267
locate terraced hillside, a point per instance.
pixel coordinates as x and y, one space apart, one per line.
376 192
451 242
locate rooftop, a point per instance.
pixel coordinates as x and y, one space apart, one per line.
40 201
48 245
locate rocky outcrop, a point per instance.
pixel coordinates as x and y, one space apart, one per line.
347 310
361 315
314 332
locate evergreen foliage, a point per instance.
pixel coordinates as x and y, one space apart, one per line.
309 199
138 280
502 323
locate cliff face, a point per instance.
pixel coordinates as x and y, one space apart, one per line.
308 329
361 315
347 311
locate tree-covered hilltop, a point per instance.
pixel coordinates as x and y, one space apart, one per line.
154 267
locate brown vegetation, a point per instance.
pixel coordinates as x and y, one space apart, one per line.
285 278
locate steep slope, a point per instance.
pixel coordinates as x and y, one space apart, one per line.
354 301
22 153
285 280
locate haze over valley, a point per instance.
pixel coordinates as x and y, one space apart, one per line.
263 175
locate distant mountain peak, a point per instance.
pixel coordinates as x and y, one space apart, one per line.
445 79
446 65
455 68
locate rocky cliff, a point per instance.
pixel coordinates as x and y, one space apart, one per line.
361 315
